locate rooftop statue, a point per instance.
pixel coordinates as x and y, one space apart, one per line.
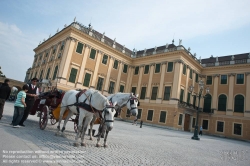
180 42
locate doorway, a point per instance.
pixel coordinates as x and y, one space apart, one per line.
187 122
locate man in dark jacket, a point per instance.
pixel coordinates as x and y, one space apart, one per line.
4 95
31 95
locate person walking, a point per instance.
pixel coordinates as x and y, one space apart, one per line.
31 95
19 106
4 95
200 133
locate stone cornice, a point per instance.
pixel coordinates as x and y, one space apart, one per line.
101 74
89 69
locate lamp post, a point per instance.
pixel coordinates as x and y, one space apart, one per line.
191 88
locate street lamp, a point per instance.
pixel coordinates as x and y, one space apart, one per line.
191 88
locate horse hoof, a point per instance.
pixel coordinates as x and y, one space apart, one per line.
91 138
105 146
75 144
83 144
98 145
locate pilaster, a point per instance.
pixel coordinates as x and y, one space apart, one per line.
119 77
186 86
247 111
98 59
83 64
111 63
129 79
66 59
215 92
151 72
161 90
230 94
177 81
138 89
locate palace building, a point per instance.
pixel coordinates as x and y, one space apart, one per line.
78 57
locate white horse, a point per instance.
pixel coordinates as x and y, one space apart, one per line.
91 100
104 126
122 99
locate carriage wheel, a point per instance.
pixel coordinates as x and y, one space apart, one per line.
53 120
43 120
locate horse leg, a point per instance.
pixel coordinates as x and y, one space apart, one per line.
100 132
85 126
60 119
91 126
65 122
105 139
81 116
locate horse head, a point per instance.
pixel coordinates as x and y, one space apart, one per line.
132 104
108 115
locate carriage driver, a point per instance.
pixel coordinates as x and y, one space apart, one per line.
31 95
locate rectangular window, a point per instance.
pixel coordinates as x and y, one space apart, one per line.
163 116
136 70
139 113
150 115
181 95
87 79
115 64
111 87
99 84
133 90
105 59
143 93
180 119
154 93
205 124
191 74
223 79
237 128
220 126
240 79
92 53
196 77
146 69
167 93
193 123
72 77
184 69
121 88
125 68
188 97
170 66
209 80
79 48
157 68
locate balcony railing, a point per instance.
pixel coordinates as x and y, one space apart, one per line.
240 61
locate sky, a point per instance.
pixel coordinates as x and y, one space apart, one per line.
214 27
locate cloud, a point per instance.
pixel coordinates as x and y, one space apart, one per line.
16 51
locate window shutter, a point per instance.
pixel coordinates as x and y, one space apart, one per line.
143 93
125 68
73 74
92 54
121 88
136 70
146 69
55 72
87 79
157 68
163 116
150 115
79 48
170 66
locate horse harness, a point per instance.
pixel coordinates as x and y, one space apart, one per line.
131 100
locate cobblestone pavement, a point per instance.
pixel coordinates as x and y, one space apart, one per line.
127 145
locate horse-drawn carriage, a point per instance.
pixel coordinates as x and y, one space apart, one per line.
47 106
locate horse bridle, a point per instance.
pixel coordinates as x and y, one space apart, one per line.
131 99
105 111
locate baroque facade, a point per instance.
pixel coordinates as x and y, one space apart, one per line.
78 57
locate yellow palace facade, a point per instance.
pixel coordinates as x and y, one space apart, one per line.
78 57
